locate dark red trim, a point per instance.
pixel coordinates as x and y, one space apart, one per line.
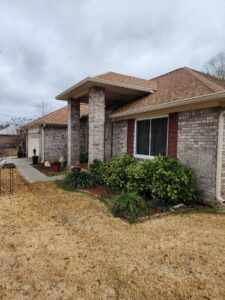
130 137
172 134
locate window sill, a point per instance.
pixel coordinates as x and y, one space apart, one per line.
143 156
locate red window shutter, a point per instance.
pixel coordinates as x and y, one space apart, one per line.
173 134
130 137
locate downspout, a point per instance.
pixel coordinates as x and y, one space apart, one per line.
43 142
219 158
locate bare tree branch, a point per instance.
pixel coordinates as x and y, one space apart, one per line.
43 108
216 65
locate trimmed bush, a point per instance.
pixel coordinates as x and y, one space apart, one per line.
78 179
97 170
129 206
115 175
140 176
162 180
172 182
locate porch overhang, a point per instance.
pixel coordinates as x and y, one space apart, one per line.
204 101
114 91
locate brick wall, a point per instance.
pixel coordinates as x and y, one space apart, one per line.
96 124
119 144
55 143
172 134
197 146
130 137
223 162
6 140
84 134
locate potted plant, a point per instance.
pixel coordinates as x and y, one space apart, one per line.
35 157
56 166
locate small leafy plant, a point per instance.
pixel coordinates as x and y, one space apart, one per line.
140 177
78 180
97 169
172 182
115 175
129 206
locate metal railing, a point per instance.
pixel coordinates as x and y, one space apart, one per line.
6 178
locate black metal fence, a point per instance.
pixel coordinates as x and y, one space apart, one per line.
7 179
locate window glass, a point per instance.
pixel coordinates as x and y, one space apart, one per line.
142 138
158 136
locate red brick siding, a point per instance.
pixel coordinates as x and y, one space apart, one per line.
130 137
172 134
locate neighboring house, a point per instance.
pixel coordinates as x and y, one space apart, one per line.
48 134
7 137
180 114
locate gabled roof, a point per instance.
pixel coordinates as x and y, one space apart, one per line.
111 81
57 117
183 83
127 80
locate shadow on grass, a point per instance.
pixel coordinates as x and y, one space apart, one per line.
203 210
59 184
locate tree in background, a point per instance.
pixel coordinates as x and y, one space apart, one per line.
43 108
216 65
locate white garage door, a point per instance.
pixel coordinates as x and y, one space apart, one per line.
33 142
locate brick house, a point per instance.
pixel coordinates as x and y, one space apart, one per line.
48 134
180 114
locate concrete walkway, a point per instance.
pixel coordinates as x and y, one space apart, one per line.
32 175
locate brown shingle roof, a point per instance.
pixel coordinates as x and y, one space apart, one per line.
59 116
179 84
125 79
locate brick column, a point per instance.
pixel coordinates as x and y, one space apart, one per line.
96 147
73 133
108 139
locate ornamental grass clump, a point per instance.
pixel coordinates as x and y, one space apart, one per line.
78 180
129 206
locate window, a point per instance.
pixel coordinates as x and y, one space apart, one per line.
151 137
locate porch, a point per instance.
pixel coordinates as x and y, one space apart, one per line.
102 95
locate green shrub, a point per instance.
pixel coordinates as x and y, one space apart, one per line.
97 170
172 182
115 175
140 176
83 157
128 206
78 179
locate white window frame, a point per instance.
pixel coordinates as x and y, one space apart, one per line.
135 137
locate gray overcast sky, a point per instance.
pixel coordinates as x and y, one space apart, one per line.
48 45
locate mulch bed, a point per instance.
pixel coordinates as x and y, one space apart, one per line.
100 192
48 171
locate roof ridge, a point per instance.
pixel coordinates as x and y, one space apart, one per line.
50 113
121 75
165 74
214 87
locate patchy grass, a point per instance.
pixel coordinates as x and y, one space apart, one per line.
10 152
204 210
60 184
60 245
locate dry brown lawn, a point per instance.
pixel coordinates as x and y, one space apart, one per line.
61 245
